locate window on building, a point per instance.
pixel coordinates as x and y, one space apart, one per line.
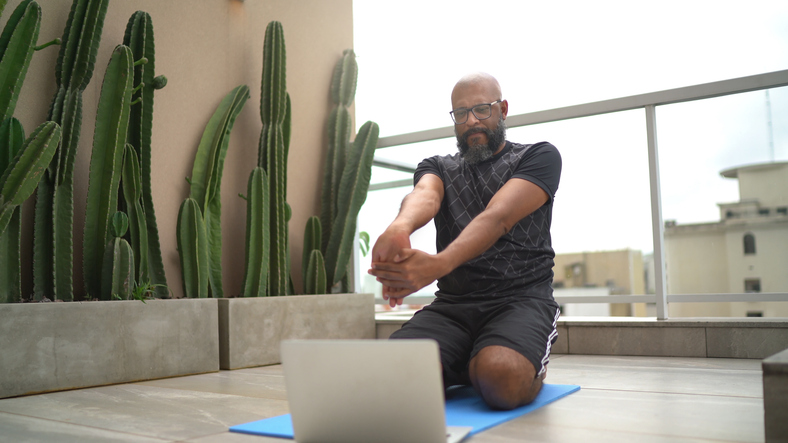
754 313
752 285
763 211
749 243
783 211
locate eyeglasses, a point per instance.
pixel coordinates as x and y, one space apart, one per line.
482 112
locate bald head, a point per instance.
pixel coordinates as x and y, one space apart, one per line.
479 81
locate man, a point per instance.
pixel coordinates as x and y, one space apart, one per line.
494 314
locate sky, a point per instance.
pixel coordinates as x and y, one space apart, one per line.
561 53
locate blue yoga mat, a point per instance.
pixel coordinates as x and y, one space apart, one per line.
463 408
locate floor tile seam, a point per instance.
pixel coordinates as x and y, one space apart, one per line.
674 393
80 425
589 368
209 392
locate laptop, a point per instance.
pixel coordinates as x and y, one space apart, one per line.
364 391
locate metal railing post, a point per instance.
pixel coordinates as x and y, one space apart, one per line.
657 227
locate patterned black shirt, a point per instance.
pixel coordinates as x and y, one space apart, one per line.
521 261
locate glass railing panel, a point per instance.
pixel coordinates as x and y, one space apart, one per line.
724 186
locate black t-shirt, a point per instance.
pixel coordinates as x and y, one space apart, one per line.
521 261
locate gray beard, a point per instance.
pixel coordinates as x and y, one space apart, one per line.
477 153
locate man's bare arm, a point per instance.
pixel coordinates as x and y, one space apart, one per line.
418 208
415 269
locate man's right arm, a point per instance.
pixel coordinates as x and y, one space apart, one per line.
417 209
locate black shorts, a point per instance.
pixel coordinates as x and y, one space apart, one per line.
524 324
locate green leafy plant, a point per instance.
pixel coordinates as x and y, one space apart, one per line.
363 242
21 169
148 291
205 184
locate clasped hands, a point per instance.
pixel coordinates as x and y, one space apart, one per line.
400 269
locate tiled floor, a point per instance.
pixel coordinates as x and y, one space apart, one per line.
623 399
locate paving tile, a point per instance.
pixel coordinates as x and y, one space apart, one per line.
603 416
745 342
604 361
686 376
652 341
20 429
147 410
247 383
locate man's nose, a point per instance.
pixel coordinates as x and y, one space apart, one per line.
472 120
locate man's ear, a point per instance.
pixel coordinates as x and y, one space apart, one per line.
504 109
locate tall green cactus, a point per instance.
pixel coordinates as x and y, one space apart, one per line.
17 44
343 89
206 177
53 241
352 193
272 155
255 281
11 138
117 271
130 180
347 172
139 37
106 161
193 249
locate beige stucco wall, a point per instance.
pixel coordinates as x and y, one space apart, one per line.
624 267
205 48
766 183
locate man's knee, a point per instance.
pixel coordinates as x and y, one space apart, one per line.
504 378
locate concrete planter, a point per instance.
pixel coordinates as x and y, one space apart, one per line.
57 346
250 329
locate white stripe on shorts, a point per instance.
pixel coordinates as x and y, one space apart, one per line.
553 334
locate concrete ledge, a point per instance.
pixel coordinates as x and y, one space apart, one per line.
250 329
775 397
58 346
684 337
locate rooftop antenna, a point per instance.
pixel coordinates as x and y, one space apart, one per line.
769 123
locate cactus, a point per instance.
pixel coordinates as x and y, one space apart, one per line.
11 136
343 89
347 173
26 169
54 218
312 241
17 44
117 271
139 37
206 177
352 193
315 277
132 195
272 154
193 249
257 235
106 161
